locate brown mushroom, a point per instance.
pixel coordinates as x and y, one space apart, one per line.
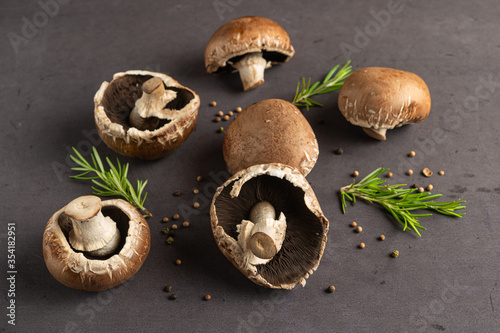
248 45
145 115
275 253
270 131
82 246
379 99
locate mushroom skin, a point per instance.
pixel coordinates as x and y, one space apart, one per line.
249 45
378 99
287 190
82 271
115 101
270 131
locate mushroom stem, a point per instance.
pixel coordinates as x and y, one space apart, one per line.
92 232
251 68
378 134
153 100
267 234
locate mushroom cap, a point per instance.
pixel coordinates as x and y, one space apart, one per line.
290 193
384 98
244 35
80 271
115 100
270 131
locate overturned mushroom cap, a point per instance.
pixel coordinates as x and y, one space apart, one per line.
270 131
172 121
80 270
263 40
287 190
379 99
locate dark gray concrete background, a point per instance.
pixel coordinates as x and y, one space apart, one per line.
447 280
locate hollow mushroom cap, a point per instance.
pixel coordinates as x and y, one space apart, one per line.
290 193
245 35
270 131
81 271
115 100
378 99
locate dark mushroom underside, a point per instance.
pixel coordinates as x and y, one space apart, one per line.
272 56
301 248
116 214
121 94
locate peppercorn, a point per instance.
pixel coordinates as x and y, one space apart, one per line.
175 217
410 172
170 240
199 178
213 103
415 185
173 297
165 219
207 297
221 129
239 109
354 224
389 174
217 119
178 262
411 154
330 289
421 190
430 187
196 191
196 205
177 193
339 151
230 113
165 230
226 117
185 224
362 245
168 288
382 237
359 229
441 173
220 113
355 173
395 254
174 227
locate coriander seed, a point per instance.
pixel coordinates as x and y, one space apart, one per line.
395 254
330 289
176 216
355 173
173 297
389 174
430 187
196 191
170 240
217 119
226 117
174 227
239 109
199 178
411 154
207 297
196 205
359 229
220 113
177 193
362 245
230 113
165 219
409 172
426 172
185 224
382 237
421 189
213 103
168 288
178 262
441 172
354 224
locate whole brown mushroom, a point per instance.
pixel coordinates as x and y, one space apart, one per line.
267 221
93 245
270 131
378 99
145 115
248 45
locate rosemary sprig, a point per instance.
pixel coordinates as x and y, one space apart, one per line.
114 182
329 84
398 201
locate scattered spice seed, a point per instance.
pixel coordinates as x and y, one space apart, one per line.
196 205
355 173
226 117
177 193
359 229
362 245
185 224
170 240
339 151
207 297
395 254
173 297
221 129
165 230
411 154
382 237
427 172
421 190
178 262
213 103
165 219
239 109
409 172
220 113
174 227
389 174
199 178
196 191
354 224
217 119
441 173
330 289
168 288
415 185
175 217
230 113
430 187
